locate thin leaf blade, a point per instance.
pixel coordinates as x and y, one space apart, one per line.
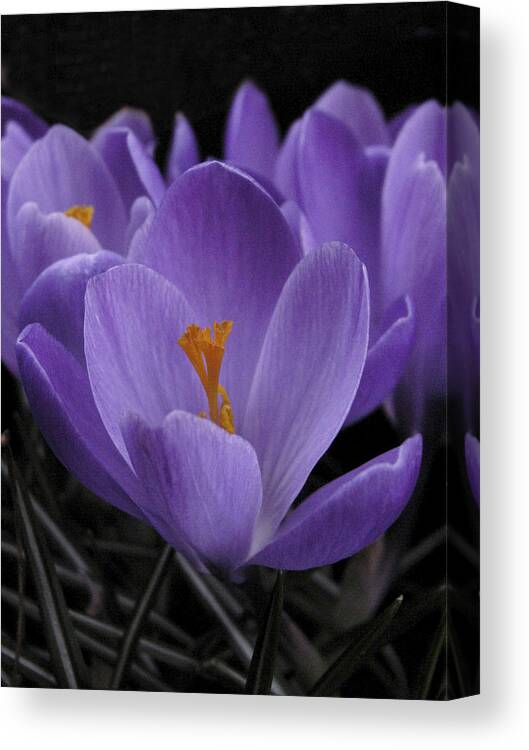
141 612
432 659
62 643
344 666
261 671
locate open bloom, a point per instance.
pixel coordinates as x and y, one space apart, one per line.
63 195
197 391
327 176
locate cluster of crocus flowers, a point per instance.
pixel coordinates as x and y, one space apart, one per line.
63 195
404 194
191 347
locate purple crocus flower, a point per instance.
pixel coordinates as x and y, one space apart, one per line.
135 120
63 195
184 151
332 165
430 227
463 314
390 206
20 128
199 390
330 169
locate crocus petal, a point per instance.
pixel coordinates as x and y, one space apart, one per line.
472 460
221 239
134 171
60 398
56 299
252 137
10 329
262 181
340 186
11 293
299 225
463 288
141 217
133 119
184 152
9 336
414 263
62 170
462 138
285 174
423 133
348 514
206 483
463 232
308 372
386 360
476 324
358 109
15 144
41 239
15 111
413 229
133 318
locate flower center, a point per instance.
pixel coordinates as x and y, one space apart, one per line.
83 214
206 354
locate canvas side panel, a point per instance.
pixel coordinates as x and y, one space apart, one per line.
463 188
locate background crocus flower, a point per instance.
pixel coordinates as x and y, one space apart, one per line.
62 195
135 120
413 255
126 144
184 151
431 181
209 432
463 314
252 136
20 128
363 119
389 204
339 185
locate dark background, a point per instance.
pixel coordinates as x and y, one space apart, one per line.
79 68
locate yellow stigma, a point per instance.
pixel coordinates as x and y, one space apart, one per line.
206 354
84 214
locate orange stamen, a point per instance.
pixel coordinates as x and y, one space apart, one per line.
206 355
83 214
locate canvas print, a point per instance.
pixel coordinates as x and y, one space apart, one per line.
240 351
